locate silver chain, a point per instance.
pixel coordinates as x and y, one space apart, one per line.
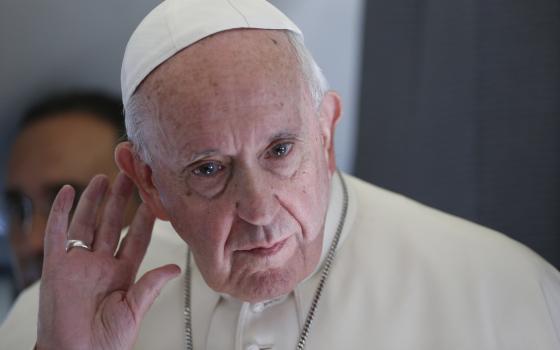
302 339
187 310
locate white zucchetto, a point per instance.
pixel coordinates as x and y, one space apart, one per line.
176 24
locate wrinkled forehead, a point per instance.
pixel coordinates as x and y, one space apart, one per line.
238 76
176 24
237 59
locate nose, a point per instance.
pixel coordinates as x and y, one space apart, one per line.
257 202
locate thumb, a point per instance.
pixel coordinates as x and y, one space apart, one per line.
143 293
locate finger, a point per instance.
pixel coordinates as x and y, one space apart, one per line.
133 248
84 220
143 293
107 238
57 224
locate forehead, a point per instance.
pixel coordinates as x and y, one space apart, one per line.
240 80
72 146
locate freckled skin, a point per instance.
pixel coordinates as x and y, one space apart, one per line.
240 95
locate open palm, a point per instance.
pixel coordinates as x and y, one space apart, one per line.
89 299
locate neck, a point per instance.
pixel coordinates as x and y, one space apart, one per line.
332 219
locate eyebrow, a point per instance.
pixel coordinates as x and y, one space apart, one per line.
283 135
54 188
50 190
50 187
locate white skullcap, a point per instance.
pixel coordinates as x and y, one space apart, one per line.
176 24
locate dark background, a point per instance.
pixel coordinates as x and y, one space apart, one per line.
460 109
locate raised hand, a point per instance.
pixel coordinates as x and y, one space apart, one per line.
89 298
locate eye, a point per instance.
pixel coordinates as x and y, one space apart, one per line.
19 206
280 150
208 169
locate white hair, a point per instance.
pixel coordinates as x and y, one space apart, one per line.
312 73
137 107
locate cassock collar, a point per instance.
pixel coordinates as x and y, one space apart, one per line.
306 289
334 212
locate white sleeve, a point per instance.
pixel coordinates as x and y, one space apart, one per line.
550 284
19 330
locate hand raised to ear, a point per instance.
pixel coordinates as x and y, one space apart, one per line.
89 298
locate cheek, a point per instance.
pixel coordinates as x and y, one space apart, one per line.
307 201
203 224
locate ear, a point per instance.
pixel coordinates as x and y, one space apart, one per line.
330 112
130 163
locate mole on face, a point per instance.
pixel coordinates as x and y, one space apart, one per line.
274 41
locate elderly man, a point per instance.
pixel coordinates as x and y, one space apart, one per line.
49 152
231 142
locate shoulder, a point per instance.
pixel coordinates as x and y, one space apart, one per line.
166 247
395 236
19 330
384 218
403 252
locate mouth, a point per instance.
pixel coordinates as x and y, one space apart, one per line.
267 250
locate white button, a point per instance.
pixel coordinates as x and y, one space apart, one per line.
258 307
253 347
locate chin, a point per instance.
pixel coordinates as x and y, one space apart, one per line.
265 285
256 278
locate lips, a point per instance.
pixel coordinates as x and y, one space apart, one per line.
267 250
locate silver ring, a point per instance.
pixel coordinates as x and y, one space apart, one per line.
73 243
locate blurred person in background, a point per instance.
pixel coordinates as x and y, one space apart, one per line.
66 138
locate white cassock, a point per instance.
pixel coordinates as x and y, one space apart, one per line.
405 277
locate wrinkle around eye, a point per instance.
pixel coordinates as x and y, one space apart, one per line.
272 152
204 169
211 185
